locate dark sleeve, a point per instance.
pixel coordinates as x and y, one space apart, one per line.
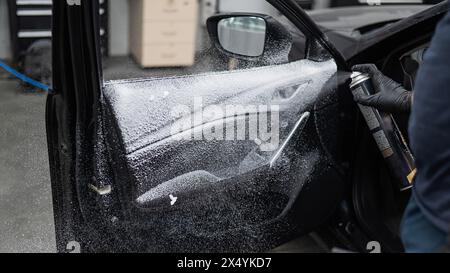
430 130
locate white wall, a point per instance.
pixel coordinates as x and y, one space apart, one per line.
321 4
118 27
5 46
258 6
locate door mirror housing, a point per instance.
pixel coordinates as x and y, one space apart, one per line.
248 36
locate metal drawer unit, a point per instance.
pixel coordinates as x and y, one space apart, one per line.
31 20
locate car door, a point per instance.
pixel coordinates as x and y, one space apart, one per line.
232 161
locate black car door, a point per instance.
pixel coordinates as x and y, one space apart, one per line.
236 161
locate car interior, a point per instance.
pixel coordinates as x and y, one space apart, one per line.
240 151
180 139
378 201
241 188
236 183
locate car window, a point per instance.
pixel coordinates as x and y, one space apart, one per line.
173 39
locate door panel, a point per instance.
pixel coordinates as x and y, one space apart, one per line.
225 183
147 114
135 169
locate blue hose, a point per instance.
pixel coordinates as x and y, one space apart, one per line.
26 79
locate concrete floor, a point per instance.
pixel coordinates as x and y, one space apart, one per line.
26 222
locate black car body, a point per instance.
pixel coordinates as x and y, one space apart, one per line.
114 164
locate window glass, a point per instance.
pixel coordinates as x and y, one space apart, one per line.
172 38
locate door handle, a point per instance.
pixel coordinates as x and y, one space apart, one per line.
298 126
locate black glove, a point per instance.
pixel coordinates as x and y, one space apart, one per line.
390 96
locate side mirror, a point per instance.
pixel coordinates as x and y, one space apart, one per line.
242 35
248 36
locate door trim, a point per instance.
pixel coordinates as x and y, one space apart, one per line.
301 20
71 113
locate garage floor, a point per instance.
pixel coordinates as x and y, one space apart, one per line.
26 223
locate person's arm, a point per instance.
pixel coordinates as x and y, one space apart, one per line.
390 96
429 129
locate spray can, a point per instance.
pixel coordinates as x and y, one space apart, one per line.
387 135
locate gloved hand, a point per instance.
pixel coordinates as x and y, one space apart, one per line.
390 96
